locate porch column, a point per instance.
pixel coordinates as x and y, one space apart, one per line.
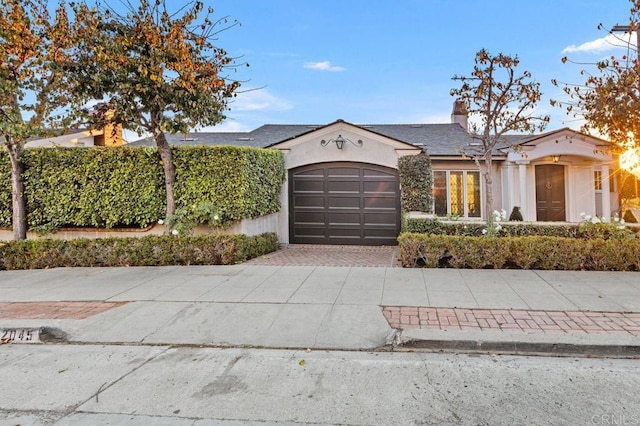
522 177
507 191
606 195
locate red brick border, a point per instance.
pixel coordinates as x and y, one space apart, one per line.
513 320
55 310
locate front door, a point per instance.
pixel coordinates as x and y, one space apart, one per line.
550 205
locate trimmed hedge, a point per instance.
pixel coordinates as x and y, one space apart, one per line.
519 229
242 182
144 251
124 186
416 183
537 252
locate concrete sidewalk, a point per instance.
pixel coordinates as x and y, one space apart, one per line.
324 307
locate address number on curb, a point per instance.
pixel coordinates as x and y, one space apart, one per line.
19 335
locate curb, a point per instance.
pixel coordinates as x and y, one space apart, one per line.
518 343
622 351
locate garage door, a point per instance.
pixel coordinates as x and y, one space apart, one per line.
344 203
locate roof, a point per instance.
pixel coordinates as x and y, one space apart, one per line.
437 139
531 139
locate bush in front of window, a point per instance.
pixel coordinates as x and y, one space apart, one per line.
532 252
416 183
474 229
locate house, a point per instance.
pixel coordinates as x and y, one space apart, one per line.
342 184
75 138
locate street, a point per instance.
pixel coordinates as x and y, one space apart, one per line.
71 384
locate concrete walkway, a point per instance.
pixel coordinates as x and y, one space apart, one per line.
304 306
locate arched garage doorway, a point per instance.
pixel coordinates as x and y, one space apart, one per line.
344 203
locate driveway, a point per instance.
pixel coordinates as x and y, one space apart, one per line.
325 255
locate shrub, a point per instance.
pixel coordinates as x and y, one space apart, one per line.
416 183
124 186
524 229
145 251
516 215
629 217
601 227
533 252
241 182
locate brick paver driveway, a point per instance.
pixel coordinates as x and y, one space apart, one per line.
326 255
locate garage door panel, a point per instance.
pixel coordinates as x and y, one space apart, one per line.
379 218
343 186
346 231
343 172
344 203
380 202
302 201
309 186
318 173
343 218
310 218
387 187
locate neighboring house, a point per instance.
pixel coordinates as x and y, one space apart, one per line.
80 138
342 183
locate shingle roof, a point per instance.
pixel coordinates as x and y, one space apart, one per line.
437 139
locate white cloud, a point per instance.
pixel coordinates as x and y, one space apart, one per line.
323 66
259 100
610 42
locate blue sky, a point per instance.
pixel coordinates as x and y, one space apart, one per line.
379 61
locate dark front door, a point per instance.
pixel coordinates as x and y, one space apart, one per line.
344 203
550 206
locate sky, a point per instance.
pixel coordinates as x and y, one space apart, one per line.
387 62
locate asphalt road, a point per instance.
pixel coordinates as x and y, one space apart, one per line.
141 385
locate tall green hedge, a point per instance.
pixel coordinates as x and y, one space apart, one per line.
123 186
242 182
416 183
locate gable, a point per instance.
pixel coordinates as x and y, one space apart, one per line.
561 142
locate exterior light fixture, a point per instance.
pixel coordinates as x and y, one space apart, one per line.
340 142
555 158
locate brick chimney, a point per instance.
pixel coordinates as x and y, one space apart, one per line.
459 114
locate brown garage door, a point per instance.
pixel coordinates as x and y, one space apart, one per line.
344 203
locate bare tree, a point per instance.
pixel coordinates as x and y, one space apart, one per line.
504 102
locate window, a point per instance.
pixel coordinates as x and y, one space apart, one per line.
597 180
457 193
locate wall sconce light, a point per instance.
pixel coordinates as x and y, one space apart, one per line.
340 142
555 158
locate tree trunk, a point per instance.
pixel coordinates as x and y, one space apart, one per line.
488 190
169 171
17 192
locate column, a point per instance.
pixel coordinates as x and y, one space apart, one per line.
522 175
606 195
